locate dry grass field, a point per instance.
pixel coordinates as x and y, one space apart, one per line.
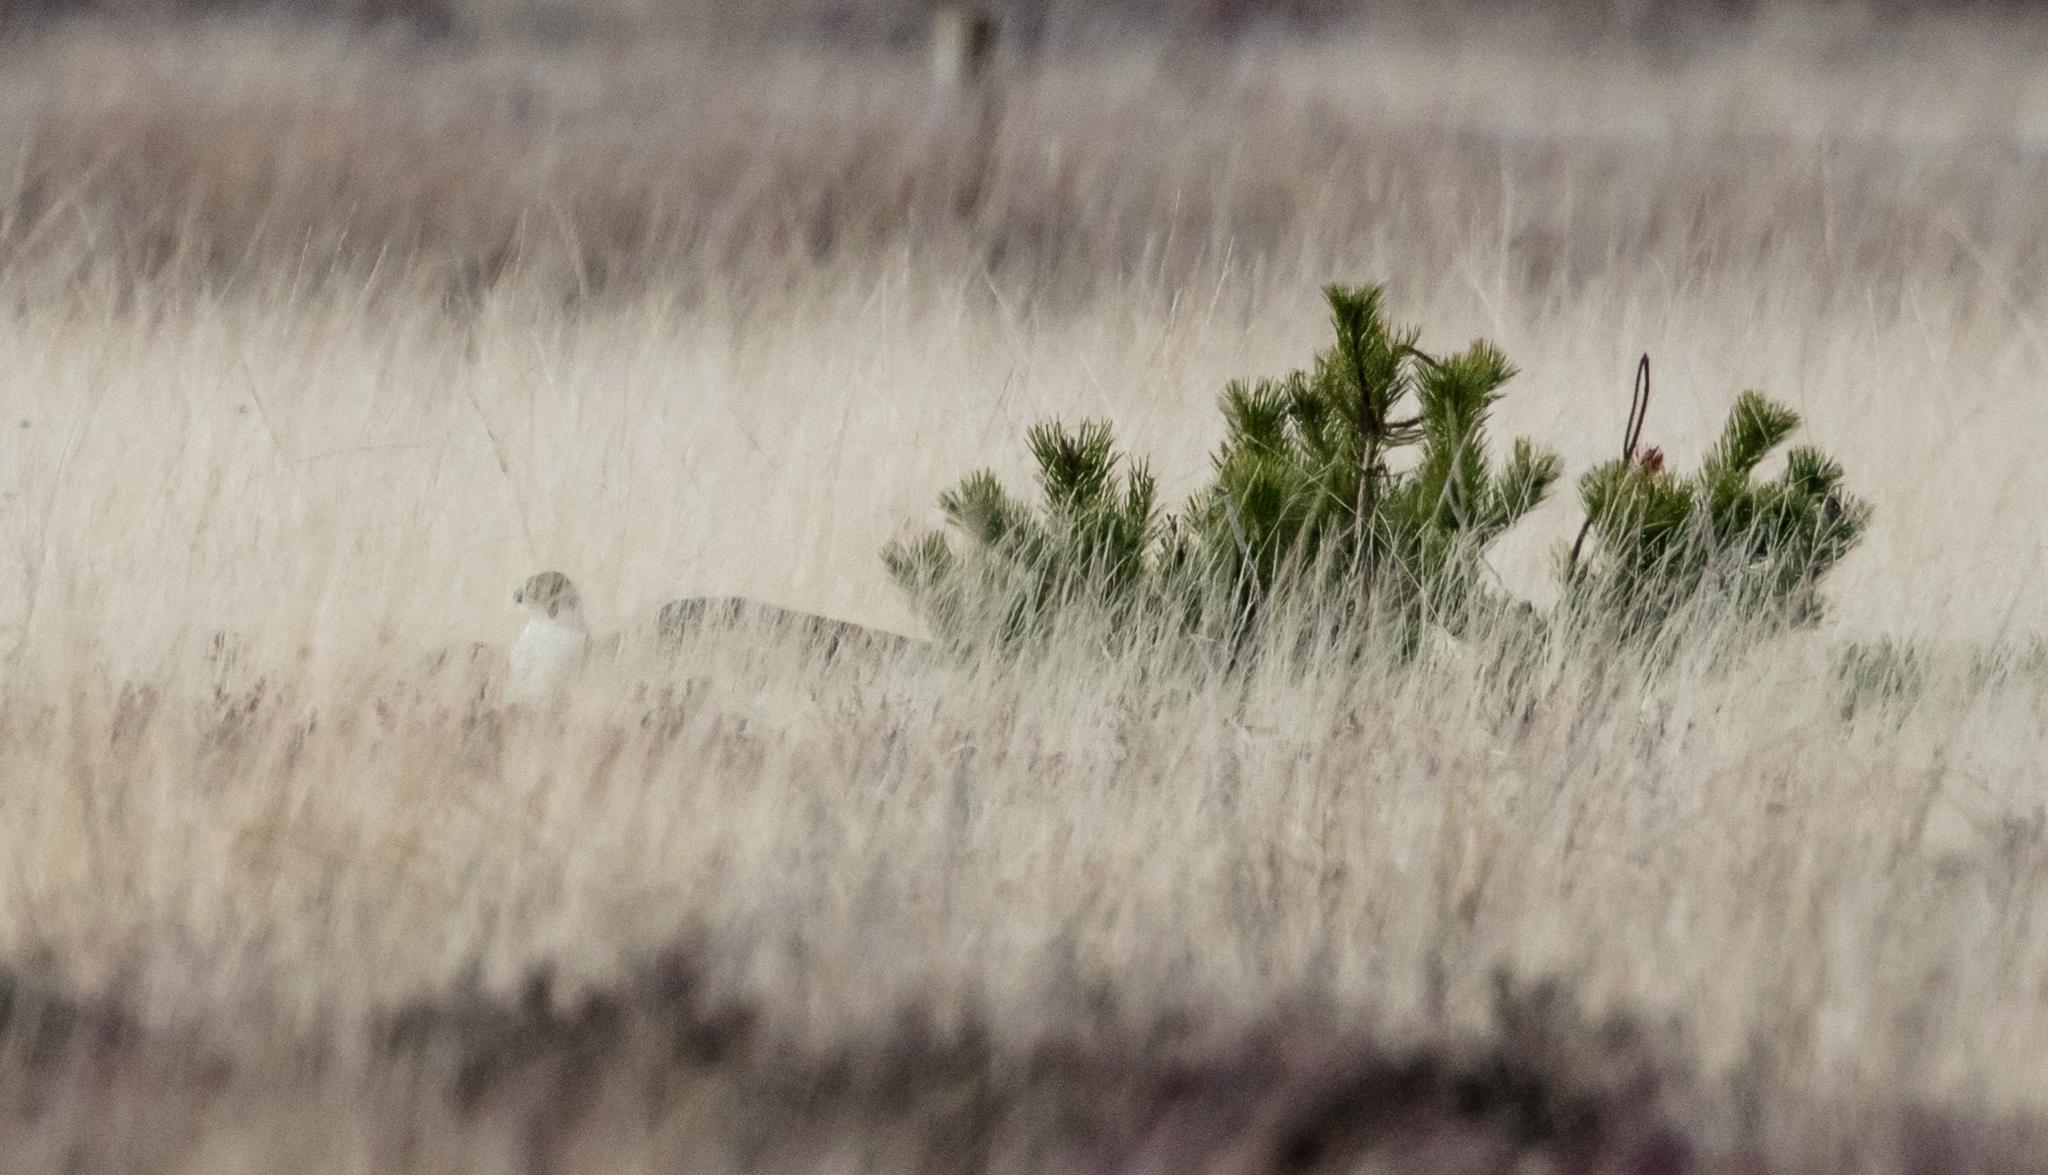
313 346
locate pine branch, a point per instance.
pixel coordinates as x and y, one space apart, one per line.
1755 427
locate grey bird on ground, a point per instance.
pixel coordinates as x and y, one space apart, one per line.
680 620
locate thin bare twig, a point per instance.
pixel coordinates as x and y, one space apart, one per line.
1631 436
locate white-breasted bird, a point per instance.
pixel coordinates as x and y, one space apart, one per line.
551 645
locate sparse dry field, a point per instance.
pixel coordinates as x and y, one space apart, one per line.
311 348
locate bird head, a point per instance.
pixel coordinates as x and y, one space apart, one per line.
551 594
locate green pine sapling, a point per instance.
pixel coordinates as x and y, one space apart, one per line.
1358 496
1358 487
1092 540
1363 484
1667 544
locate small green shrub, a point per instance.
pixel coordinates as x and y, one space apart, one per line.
1095 538
1666 545
1360 484
1364 483
1359 497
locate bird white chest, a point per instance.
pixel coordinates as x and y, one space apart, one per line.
542 658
